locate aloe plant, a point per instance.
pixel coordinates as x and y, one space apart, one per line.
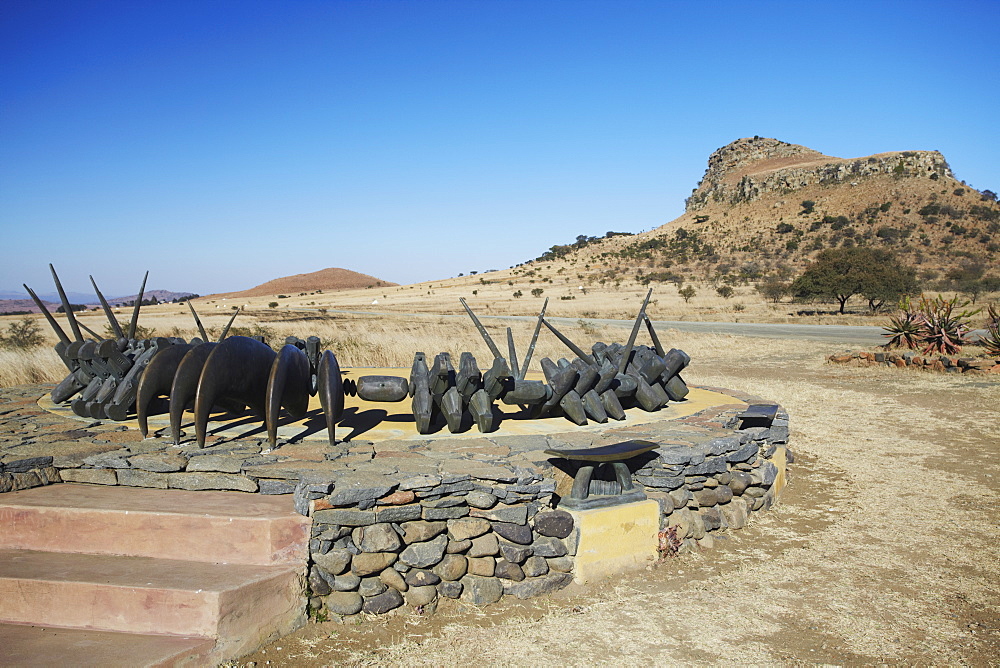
944 329
905 330
992 339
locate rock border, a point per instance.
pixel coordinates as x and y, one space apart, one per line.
914 360
408 523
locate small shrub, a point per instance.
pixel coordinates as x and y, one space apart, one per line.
272 304
537 292
23 335
518 294
807 207
774 289
724 291
141 332
784 228
739 308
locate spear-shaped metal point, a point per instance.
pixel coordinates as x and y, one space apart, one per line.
512 351
534 339
48 316
229 324
635 331
201 328
91 332
135 310
115 325
569 344
652 334
482 330
66 306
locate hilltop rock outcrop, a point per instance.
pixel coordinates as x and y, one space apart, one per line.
750 168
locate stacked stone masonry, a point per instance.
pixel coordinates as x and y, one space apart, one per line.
915 360
409 522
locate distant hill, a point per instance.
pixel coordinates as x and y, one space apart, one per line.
17 303
765 206
329 279
161 296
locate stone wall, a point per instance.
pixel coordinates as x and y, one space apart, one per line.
915 360
377 547
411 522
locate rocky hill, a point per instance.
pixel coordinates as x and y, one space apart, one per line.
766 207
333 278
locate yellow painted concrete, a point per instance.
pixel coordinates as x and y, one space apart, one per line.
388 421
780 460
615 539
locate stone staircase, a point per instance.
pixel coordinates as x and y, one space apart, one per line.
119 576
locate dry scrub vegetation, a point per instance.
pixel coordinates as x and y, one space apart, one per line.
882 550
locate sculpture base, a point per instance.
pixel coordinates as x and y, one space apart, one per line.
602 500
615 539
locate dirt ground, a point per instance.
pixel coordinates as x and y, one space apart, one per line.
883 548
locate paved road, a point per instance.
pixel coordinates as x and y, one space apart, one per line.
849 335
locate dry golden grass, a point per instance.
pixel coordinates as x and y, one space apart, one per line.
20 367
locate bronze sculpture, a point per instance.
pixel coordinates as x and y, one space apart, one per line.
115 377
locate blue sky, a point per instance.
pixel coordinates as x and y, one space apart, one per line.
222 144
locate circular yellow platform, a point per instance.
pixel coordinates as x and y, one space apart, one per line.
378 421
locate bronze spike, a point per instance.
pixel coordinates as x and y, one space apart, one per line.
66 306
48 316
229 324
534 339
513 353
652 335
201 328
635 331
115 325
135 310
90 331
482 330
569 344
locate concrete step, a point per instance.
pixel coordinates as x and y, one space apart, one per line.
24 645
239 606
224 527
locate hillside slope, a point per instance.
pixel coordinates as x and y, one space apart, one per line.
765 206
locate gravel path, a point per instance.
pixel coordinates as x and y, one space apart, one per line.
882 550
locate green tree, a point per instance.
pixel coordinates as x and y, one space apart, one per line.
724 291
537 292
841 273
687 293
